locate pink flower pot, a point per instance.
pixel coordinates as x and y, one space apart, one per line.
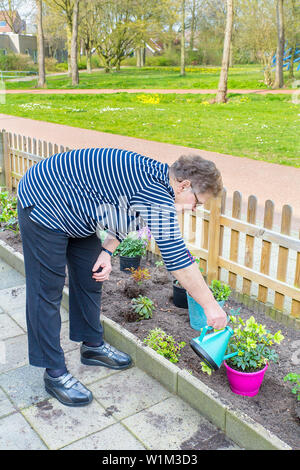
245 383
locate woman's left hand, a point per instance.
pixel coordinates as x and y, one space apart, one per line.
103 262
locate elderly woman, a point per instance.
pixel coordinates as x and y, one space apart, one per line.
62 202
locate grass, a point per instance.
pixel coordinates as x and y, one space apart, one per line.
240 77
258 127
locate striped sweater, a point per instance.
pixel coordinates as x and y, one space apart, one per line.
82 191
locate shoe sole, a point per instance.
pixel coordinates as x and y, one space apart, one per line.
53 394
96 362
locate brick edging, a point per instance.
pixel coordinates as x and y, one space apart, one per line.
239 427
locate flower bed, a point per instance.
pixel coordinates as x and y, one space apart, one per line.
273 407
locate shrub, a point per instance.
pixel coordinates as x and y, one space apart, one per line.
220 291
140 275
8 212
143 306
132 246
17 62
164 344
294 379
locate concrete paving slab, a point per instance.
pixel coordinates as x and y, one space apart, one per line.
17 434
9 276
59 425
24 386
6 406
9 328
177 424
115 437
15 353
19 316
13 298
128 392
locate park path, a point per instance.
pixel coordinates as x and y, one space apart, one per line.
265 180
99 91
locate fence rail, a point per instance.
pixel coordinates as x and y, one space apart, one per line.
256 260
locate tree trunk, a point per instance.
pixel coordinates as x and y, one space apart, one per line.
88 60
182 57
193 25
138 56
222 88
280 46
74 45
291 67
40 44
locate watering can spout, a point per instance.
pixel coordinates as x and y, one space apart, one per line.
211 348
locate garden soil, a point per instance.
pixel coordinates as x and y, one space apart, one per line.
274 407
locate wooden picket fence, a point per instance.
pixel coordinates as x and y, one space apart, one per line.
230 247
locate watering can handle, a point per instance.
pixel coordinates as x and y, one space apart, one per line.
203 332
206 328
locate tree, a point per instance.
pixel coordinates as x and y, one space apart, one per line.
65 7
280 45
74 45
40 44
182 56
116 33
255 37
222 88
87 28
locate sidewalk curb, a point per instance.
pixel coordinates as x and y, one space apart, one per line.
239 427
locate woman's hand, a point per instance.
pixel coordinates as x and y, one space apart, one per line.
216 316
104 262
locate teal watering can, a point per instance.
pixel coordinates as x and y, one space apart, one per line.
211 348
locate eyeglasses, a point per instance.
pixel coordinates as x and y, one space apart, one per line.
198 203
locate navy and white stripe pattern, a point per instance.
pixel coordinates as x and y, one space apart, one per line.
81 191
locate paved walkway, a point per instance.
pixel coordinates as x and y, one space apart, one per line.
265 180
130 410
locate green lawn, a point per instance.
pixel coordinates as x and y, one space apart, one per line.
240 77
258 127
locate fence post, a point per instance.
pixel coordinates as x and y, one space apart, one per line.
7 165
2 165
214 239
4 161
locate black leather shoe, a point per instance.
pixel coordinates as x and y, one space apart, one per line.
68 390
105 355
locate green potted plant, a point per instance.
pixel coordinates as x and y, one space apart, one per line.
253 342
221 293
131 250
180 295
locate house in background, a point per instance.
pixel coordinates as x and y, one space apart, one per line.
12 23
13 37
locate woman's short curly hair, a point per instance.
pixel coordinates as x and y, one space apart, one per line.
203 174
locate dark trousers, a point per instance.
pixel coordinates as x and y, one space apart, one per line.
46 255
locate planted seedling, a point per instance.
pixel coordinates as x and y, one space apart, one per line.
143 306
164 344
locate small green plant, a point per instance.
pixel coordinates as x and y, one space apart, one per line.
159 263
164 344
205 368
253 343
132 247
143 306
220 291
294 379
139 275
8 212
